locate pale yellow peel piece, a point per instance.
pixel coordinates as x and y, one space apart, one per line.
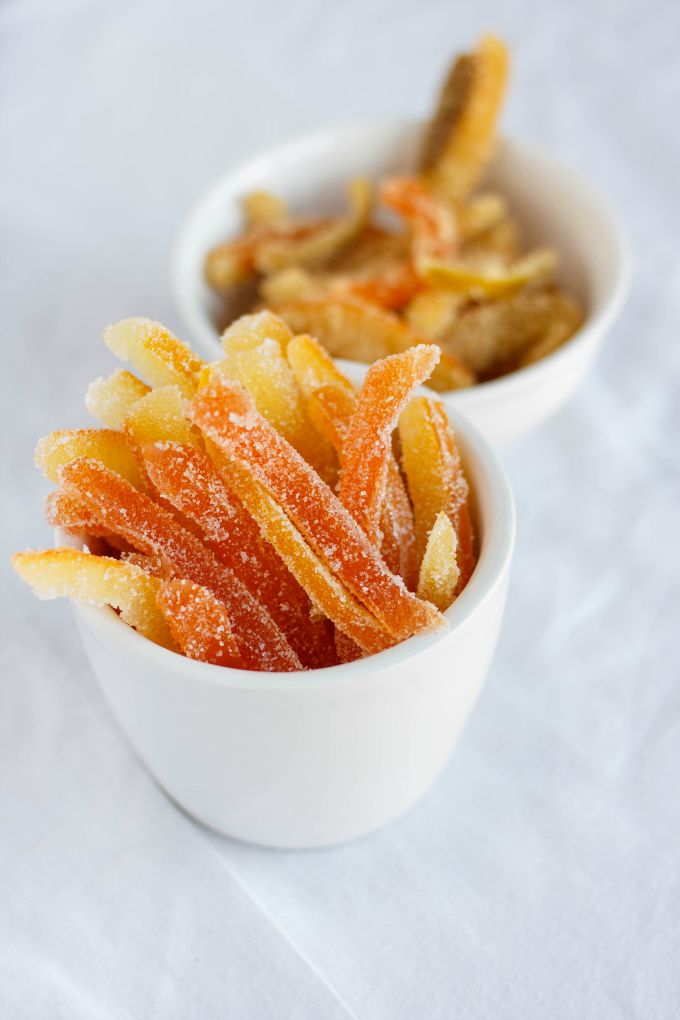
313 366
248 330
160 415
98 581
489 277
269 379
439 571
155 353
263 210
108 446
109 399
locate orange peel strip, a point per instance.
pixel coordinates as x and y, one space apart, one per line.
328 595
225 413
432 222
388 386
199 623
153 530
189 480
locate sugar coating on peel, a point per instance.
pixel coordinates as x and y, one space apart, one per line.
251 329
225 413
160 415
155 531
269 379
439 573
313 367
331 410
435 477
97 581
432 222
328 595
155 353
110 399
199 623
190 481
387 387
105 445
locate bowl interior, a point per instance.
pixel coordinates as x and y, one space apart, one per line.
554 206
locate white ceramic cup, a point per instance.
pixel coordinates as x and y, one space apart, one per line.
309 759
554 205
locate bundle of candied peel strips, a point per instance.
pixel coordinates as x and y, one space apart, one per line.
259 512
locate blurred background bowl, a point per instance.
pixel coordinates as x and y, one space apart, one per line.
553 204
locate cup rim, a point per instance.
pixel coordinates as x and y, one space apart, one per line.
599 317
496 507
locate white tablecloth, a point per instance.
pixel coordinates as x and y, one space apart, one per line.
540 877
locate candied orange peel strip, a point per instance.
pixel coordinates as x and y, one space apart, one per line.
435 477
313 367
155 353
155 531
460 139
105 445
189 480
110 399
98 581
328 594
160 415
388 385
432 222
439 573
226 415
199 623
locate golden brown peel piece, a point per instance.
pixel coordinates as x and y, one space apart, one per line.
226 415
105 445
199 623
153 530
492 336
110 399
439 573
435 477
460 138
387 387
98 581
155 353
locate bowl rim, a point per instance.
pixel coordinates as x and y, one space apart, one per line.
598 320
497 509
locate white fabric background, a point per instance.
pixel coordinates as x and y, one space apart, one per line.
540 877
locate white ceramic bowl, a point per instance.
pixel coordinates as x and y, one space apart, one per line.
554 206
308 759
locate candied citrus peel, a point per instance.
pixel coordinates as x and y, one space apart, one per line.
98 581
226 415
151 529
189 480
105 445
435 477
491 276
439 573
198 622
388 385
155 352
460 139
